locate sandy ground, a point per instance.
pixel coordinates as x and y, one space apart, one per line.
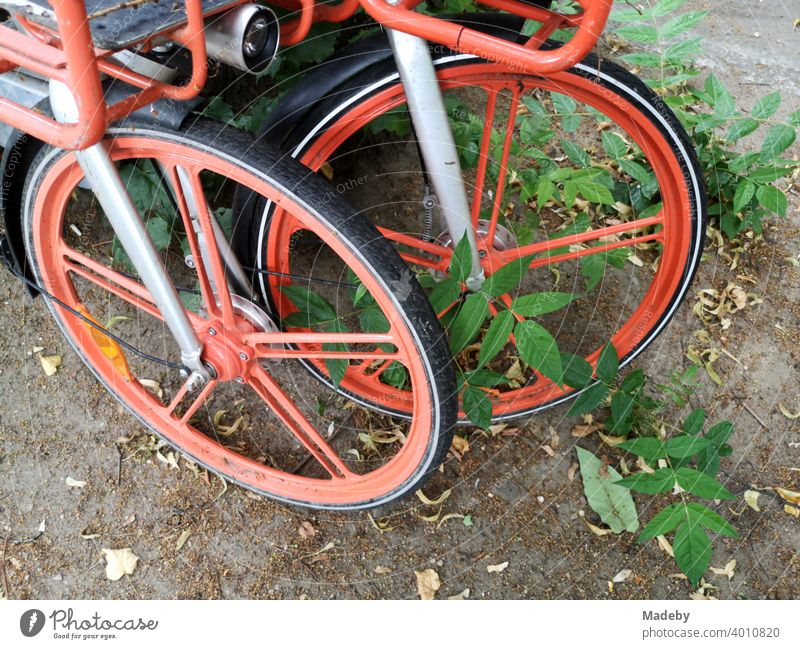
524 508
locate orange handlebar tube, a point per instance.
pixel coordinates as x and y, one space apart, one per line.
463 39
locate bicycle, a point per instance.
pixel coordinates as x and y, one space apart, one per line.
177 336
340 302
636 178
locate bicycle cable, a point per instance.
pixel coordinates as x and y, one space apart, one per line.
120 341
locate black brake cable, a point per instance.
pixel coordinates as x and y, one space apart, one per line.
121 342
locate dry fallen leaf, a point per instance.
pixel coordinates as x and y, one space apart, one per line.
168 459
665 545
622 575
460 444
497 567
571 471
154 387
428 583
792 511
86 534
787 413
382 570
464 594
728 570
50 364
791 496
751 498
182 539
307 530
429 501
119 562
72 482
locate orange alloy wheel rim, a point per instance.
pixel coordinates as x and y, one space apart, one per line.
58 262
675 231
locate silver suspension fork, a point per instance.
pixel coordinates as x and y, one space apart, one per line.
104 179
429 117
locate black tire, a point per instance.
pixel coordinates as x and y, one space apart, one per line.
608 75
360 236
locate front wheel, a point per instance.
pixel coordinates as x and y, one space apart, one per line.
259 421
587 174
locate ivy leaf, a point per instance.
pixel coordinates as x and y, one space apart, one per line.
661 481
538 304
539 350
589 399
507 277
477 406
685 446
692 549
611 502
662 523
701 485
468 321
578 371
699 514
496 336
608 364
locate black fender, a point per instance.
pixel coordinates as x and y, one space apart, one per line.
21 149
322 80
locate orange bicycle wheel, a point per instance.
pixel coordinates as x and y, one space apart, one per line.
627 251
260 421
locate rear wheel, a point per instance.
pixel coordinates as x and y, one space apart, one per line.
260 421
587 171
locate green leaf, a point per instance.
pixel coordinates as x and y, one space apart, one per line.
742 127
701 485
708 459
544 191
159 232
692 549
779 138
766 106
639 33
594 192
538 304
461 262
643 59
589 399
633 382
685 446
477 407
693 424
663 523
539 350
593 267
507 278
608 364
318 308
772 198
395 375
621 413
614 145
744 193
578 371
336 366
769 174
444 294
575 153
564 104
496 336
650 448
661 481
699 514
611 502
665 7
680 24
468 321
719 98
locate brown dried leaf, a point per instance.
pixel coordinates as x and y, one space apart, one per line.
119 562
790 496
307 530
428 583
499 567
50 364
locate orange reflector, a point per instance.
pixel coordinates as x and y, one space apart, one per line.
110 348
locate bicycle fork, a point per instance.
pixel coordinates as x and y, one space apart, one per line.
103 177
432 128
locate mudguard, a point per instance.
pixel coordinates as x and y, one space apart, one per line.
21 149
319 82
